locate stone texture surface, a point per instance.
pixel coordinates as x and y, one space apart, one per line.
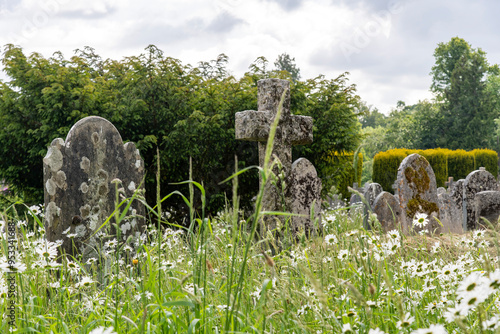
450 214
417 192
291 130
441 190
304 192
371 192
79 187
477 181
487 205
386 207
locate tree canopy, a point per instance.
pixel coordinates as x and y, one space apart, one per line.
159 103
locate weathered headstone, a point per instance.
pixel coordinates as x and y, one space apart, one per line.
371 192
291 130
79 184
476 181
450 214
386 207
487 205
417 193
449 183
304 190
355 199
441 190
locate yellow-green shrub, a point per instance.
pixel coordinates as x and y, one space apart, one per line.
385 167
487 159
438 159
342 170
444 162
460 164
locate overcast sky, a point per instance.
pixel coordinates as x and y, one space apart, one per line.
387 46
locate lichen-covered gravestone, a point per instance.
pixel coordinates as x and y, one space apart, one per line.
371 192
304 190
386 207
417 193
80 175
291 130
476 181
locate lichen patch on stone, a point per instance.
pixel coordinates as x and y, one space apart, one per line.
50 186
84 188
85 164
54 158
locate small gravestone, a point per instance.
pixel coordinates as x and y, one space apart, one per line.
449 183
457 193
450 214
80 176
305 193
475 182
417 193
355 199
487 205
386 207
291 130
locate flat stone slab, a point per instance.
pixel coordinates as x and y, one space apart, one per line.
80 175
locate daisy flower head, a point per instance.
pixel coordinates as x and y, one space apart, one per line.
331 239
420 220
102 330
433 329
376 331
406 321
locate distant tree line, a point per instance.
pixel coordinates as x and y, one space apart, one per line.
464 113
182 110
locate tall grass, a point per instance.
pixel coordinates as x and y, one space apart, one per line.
213 277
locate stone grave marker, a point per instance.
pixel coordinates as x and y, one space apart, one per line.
487 205
386 207
79 184
449 183
476 181
292 130
450 214
441 190
417 193
371 192
305 193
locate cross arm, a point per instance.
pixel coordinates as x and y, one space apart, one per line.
252 125
301 130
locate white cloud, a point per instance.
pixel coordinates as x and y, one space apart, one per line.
386 45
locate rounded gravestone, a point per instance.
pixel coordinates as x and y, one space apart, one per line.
417 191
386 207
476 181
81 174
487 205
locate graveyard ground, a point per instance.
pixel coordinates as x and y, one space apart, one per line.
215 279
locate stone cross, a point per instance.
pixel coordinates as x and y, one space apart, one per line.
292 130
449 184
81 175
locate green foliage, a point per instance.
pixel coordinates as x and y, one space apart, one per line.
285 63
460 164
467 106
487 159
385 167
444 163
157 102
438 159
343 172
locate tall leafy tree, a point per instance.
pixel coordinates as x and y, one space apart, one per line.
286 63
459 81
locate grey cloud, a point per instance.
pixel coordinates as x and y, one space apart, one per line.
224 22
85 15
288 5
196 28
